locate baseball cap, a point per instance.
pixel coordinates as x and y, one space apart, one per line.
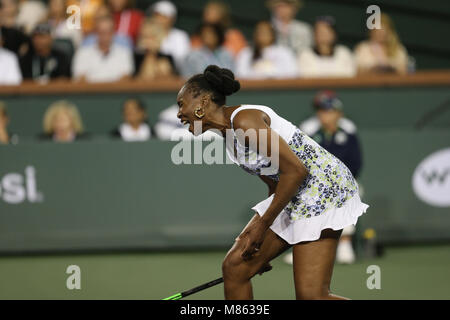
327 100
165 8
42 28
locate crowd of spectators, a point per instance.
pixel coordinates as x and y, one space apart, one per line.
115 41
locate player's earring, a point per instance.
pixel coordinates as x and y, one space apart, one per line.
198 113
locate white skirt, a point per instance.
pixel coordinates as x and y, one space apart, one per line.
309 229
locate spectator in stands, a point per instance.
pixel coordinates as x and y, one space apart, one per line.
176 42
62 123
149 61
266 59
30 14
337 135
104 61
43 62
333 131
57 18
12 38
212 51
218 12
127 19
5 136
120 39
9 65
326 58
134 126
8 13
383 51
292 33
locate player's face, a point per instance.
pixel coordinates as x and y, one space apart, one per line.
187 105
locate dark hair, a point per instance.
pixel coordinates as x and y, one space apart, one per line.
218 30
330 21
257 50
215 80
140 104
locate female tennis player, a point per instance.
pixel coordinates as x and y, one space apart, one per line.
312 195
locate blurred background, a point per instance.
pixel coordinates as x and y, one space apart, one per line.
88 114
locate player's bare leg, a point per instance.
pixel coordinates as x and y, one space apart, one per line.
238 272
313 266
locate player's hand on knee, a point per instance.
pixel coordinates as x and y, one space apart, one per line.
251 248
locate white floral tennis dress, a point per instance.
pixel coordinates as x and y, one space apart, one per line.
328 198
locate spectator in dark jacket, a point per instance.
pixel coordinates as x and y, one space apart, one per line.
332 131
43 62
15 40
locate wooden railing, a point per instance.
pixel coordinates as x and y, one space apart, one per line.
419 79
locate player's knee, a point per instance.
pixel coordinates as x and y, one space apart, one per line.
234 268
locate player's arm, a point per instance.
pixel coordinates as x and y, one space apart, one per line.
291 169
271 184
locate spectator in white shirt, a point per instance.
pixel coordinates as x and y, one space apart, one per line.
9 65
382 52
134 126
176 42
266 59
104 61
295 34
326 58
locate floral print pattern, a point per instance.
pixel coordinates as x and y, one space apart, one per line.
328 184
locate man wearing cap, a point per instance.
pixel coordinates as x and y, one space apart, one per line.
337 135
42 62
292 33
176 43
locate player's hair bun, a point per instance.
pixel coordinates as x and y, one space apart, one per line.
222 80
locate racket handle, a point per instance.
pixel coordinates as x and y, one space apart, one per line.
201 287
186 293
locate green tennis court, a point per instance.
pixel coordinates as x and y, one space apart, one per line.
413 272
